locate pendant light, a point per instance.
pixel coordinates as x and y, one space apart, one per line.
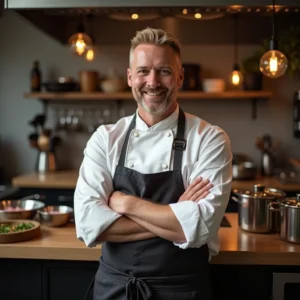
273 63
80 42
236 77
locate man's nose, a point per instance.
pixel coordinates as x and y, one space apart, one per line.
153 79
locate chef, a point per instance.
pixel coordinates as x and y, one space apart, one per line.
153 187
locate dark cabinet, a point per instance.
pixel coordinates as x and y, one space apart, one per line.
20 279
68 280
50 196
45 280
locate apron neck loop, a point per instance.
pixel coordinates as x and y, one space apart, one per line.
179 143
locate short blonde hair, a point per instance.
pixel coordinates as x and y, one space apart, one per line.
155 37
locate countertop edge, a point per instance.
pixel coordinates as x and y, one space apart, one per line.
223 258
68 178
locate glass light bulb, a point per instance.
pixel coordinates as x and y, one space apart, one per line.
236 78
273 64
90 55
80 43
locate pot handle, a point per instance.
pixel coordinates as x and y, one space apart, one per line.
235 199
274 206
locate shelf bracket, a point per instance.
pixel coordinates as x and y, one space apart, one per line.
254 108
45 106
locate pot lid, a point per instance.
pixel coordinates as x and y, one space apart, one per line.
291 202
260 191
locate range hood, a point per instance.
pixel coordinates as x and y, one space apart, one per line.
48 4
58 18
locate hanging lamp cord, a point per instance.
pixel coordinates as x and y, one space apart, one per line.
273 21
235 30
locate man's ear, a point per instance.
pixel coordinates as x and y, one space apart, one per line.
181 77
129 77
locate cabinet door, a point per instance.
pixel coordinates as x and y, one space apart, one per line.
50 196
68 280
20 279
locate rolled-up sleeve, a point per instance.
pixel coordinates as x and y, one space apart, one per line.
201 220
93 188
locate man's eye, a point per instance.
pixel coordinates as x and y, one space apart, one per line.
142 71
165 72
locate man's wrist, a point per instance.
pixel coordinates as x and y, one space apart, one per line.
127 204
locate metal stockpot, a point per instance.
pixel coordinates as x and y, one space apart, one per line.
289 218
254 214
244 170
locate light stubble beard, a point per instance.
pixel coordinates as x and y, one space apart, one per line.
156 109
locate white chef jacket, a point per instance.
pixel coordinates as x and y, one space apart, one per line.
149 150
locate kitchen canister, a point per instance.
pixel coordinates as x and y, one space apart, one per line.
89 81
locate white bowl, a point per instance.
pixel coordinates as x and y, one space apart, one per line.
213 85
113 85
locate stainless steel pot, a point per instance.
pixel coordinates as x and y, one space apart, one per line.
289 218
245 170
254 214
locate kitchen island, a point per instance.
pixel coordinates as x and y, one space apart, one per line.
57 259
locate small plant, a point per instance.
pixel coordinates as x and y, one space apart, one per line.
289 44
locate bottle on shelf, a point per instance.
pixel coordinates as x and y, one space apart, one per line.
36 77
296 114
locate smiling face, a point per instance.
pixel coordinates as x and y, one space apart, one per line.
155 75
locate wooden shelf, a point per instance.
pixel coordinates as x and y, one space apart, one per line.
192 95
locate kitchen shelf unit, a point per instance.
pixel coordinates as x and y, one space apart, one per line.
254 96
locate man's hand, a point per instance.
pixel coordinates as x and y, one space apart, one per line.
197 190
117 201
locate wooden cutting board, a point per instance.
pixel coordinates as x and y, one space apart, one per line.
21 236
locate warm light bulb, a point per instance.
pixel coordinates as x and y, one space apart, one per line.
80 43
198 16
134 16
273 64
236 78
184 11
90 55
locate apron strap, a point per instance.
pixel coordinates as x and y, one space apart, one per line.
179 143
124 148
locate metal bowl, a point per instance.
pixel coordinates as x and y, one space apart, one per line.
55 216
19 209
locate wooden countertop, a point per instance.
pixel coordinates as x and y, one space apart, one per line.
236 247
68 179
55 180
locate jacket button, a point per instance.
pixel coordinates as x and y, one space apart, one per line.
136 134
131 165
164 166
169 134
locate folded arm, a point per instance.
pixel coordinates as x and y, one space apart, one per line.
158 219
125 230
95 221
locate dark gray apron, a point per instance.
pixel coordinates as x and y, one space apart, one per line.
152 269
